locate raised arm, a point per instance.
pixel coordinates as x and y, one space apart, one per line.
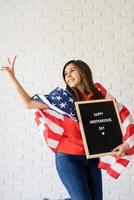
24 96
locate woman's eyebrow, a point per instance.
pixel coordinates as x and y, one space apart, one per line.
70 69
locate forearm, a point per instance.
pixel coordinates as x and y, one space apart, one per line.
24 96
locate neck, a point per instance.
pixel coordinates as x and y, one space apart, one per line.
83 91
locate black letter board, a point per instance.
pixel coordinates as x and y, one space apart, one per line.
100 126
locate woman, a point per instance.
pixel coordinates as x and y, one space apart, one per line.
81 177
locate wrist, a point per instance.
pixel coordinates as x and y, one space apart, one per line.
11 76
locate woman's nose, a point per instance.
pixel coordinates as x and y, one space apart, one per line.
69 74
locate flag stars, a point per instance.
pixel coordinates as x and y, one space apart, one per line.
53 98
58 98
59 89
70 100
63 105
64 93
71 115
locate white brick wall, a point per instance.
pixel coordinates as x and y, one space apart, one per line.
45 34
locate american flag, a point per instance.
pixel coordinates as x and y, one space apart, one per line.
51 123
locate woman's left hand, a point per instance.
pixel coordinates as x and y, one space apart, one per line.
121 149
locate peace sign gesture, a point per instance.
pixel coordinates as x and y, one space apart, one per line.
10 68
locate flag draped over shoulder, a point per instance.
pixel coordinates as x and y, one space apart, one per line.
51 123
116 164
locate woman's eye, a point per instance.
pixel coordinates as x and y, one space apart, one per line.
72 70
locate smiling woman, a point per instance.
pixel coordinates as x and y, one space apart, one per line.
55 115
78 77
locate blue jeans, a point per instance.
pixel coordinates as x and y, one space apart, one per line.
80 176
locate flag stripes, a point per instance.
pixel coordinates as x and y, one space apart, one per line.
53 123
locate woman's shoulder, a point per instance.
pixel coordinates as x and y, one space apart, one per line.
98 85
101 88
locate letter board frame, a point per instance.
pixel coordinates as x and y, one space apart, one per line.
98 120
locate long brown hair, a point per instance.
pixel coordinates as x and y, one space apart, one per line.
87 80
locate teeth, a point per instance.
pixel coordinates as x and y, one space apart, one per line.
71 80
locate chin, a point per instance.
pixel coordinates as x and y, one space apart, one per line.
72 86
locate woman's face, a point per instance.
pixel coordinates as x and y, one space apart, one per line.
72 76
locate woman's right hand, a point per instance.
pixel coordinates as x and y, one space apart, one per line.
24 96
9 69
